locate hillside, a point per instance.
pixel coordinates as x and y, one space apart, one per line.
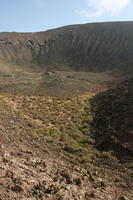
66 107
91 47
47 151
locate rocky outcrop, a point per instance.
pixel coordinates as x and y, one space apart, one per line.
92 47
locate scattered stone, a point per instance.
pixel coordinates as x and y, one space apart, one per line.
36 161
52 189
102 183
123 198
91 178
17 188
78 181
89 195
27 178
67 176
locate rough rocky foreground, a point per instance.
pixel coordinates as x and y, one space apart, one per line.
28 173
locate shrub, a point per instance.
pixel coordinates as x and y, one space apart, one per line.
72 146
108 155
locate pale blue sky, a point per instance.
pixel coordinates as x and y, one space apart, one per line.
39 15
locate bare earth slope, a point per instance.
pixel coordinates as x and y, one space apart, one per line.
92 47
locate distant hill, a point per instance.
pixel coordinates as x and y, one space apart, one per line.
91 47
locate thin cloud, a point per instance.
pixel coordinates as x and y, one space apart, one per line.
96 8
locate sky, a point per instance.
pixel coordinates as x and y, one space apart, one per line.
40 15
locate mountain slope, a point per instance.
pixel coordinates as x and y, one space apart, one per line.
113 121
62 127
92 47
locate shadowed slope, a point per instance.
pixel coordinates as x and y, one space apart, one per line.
113 121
